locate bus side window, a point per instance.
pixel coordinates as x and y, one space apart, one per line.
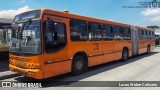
117 32
142 34
49 31
153 35
107 32
55 36
139 34
95 33
146 36
60 32
78 30
126 33
149 34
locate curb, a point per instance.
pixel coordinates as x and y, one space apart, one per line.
8 74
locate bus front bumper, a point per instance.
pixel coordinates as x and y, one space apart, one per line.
33 73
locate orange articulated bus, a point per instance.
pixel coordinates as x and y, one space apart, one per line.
47 43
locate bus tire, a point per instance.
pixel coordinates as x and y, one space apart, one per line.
124 55
148 49
78 65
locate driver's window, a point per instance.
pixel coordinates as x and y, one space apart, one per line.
49 31
55 36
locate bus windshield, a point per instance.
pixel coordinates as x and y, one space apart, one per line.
26 38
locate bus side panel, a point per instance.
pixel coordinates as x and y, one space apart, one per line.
108 50
152 44
95 53
128 44
141 46
77 47
147 42
118 46
95 60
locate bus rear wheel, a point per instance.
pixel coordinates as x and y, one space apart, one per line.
148 49
125 55
78 65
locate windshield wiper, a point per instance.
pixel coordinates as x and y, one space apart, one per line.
21 32
25 26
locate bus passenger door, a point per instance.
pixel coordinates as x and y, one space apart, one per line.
108 42
118 42
55 46
95 44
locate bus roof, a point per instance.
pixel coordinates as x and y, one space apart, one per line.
144 28
75 16
81 17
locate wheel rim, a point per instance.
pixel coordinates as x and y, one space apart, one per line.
148 50
125 55
79 65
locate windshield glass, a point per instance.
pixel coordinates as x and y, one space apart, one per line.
27 15
26 38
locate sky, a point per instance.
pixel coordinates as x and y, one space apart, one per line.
105 9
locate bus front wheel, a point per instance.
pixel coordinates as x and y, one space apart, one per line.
78 65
